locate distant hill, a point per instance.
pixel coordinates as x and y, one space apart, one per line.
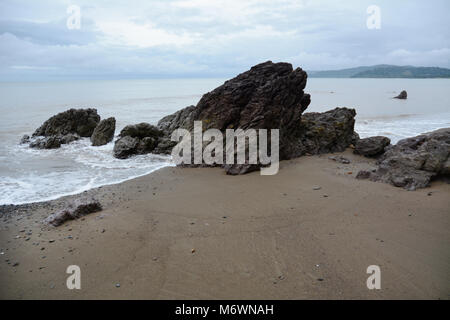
384 71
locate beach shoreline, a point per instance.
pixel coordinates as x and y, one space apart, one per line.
309 232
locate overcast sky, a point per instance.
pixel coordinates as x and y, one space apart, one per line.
152 38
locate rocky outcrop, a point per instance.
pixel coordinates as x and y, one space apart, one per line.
403 95
74 121
46 143
63 128
326 132
371 147
413 162
25 139
268 96
136 139
74 211
104 132
180 119
52 142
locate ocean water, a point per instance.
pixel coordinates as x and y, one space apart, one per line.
29 175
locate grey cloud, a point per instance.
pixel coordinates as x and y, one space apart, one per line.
216 40
50 33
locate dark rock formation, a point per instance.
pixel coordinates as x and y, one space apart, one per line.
25 139
180 119
75 121
52 142
63 128
46 143
355 139
141 138
268 96
413 162
104 132
125 147
371 147
326 132
68 138
74 211
403 95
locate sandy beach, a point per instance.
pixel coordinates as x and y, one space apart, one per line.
309 232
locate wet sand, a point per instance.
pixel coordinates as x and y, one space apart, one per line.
183 233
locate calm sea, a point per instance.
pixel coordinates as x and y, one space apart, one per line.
29 175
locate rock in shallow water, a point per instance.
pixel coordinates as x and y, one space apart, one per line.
25 139
136 139
104 132
76 121
52 142
63 128
403 95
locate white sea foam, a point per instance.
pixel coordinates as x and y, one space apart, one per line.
401 126
72 169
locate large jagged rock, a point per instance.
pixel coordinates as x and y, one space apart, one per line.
372 146
413 162
74 121
104 132
136 139
268 96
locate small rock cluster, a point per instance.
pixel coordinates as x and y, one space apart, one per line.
413 162
141 138
69 126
